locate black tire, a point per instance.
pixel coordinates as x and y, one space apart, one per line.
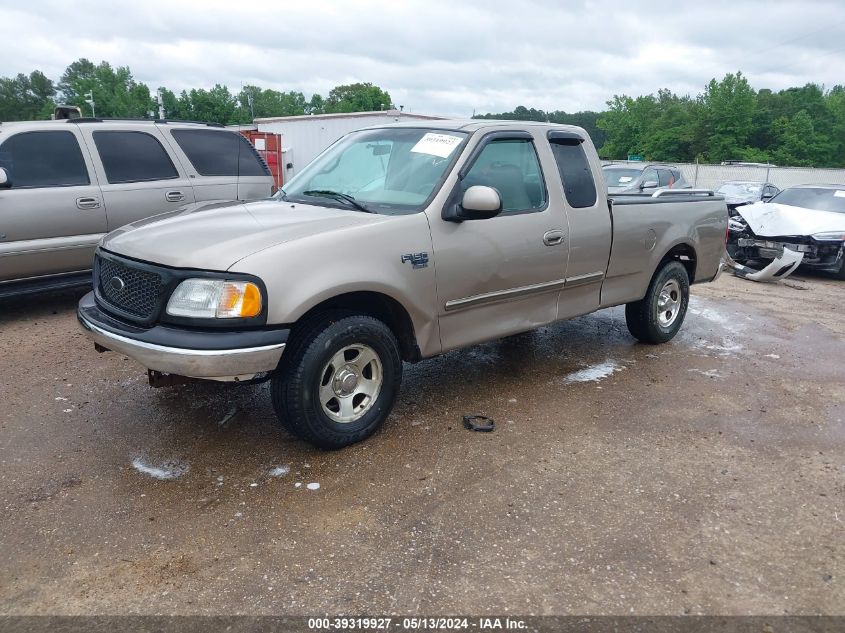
295 386
840 274
643 317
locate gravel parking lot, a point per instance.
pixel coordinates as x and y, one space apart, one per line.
701 476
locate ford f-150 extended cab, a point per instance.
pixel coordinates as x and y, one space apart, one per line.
396 244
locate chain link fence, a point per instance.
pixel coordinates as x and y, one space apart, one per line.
711 176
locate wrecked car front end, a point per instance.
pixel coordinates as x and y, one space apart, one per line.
768 242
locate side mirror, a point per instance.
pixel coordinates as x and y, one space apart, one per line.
479 203
766 197
649 184
5 179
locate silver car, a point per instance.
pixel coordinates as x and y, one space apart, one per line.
64 184
642 177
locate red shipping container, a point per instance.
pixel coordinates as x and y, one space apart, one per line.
269 146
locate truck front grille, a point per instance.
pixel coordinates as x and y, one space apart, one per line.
128 289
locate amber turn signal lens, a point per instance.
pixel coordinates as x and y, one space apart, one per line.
251 304
239 299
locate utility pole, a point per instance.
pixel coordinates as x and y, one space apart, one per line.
90 101
161 114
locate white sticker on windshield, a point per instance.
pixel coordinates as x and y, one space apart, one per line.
437 144
839 194
625 178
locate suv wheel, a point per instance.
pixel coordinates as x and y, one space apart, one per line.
337 383
658 316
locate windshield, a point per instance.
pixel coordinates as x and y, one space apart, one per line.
813 198
389 171
744 189
620 177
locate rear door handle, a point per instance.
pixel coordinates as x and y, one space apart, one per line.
87 203
553 238
174 196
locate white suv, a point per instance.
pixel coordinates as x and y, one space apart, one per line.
66 183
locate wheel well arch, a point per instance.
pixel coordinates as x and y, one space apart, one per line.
379 306
683 253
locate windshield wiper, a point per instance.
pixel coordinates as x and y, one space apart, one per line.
328 193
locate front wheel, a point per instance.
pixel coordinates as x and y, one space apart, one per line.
658 316
339 381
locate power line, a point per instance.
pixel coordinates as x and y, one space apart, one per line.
795 39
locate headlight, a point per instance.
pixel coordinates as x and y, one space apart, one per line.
830 236
215 299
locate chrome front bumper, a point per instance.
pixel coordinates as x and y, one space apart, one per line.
234 364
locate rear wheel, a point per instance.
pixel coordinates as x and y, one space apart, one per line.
659 315
338 381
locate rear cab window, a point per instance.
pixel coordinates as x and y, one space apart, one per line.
579 186
133 157
220 153
44 159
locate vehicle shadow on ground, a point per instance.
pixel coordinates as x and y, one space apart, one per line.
217 424
37 306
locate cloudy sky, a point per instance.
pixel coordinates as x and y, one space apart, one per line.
449 57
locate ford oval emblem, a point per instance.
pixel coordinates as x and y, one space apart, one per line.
117 284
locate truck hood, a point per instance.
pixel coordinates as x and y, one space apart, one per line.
213 236
776 220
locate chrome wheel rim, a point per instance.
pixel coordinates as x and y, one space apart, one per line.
669 303
350 383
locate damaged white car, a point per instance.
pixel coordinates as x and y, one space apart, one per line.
800 226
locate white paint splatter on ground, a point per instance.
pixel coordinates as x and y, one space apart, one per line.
775 356
711 315
168 470
706 310
313 486
727 348
298 484
594 373
232 412
279 471
710 373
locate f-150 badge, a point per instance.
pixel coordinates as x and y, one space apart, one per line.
418 260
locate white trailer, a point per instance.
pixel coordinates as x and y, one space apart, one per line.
304 137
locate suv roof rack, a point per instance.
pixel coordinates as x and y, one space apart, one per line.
139 120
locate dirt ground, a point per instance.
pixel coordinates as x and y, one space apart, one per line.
701 476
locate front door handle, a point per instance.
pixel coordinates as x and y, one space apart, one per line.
174 196
553 238
87 203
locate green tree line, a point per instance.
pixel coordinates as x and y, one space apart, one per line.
116 93
728 121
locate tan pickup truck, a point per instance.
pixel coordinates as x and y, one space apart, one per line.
396 244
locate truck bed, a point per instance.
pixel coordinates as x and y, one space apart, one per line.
647 226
